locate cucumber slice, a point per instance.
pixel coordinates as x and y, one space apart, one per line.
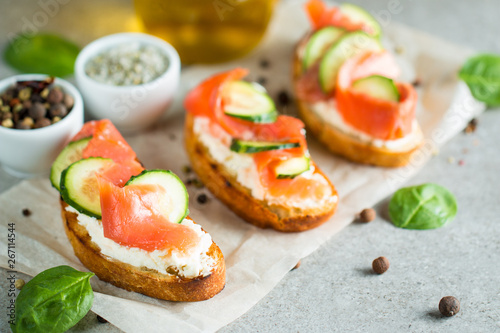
358 15
79 187
318 43
347 46
292 167
378 87
175 208
248 101
70 154
241 146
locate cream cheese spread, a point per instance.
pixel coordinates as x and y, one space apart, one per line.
196 263
327 111
243 168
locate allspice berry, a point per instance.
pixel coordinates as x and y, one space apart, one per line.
380 265
449 306
58 110
68 101
55 96
19 284
367 215
44 122
37 111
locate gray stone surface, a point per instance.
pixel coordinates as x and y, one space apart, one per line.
334 288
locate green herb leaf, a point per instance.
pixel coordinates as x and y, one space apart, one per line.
426 206
482 75
53 301
42 53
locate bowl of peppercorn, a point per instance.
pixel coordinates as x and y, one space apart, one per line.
38 115
128 78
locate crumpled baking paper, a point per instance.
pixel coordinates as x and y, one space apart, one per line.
256 259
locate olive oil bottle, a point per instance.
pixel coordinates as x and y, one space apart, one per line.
207 31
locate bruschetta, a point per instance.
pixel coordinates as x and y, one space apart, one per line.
347 91
254 160
129 225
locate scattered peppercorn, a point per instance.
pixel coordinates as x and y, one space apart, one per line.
471 126
449 306
399 49
264 63
283 98
101 320
367 215
202 198
19 284
197 183
461 162
26 212
262 81
186 169
380 265
417 83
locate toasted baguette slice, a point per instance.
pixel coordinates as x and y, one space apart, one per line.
342 143
142 280
238 198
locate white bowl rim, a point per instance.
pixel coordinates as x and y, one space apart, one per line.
68 88
106 42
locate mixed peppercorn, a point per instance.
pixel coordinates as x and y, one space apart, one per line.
34 104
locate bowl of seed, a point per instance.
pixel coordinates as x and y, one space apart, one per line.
129 78
38 116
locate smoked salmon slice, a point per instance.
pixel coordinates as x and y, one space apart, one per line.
132 216
205 100
288 189
381 119
107 142
321 16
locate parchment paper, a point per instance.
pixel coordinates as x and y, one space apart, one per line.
256 259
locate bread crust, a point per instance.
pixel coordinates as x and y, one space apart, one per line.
142 280
238 198
343 144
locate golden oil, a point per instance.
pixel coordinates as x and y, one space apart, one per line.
207 31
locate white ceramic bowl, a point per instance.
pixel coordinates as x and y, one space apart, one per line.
29 153
130 108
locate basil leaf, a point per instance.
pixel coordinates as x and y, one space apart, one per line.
42 53
426 206
482 75
53 301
